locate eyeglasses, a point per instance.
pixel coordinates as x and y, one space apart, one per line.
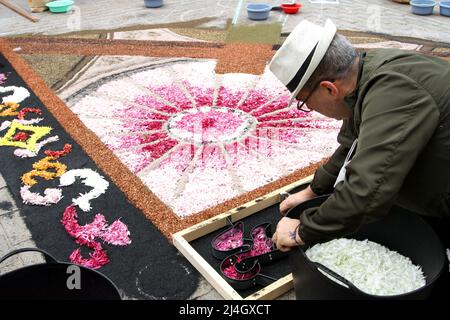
301 104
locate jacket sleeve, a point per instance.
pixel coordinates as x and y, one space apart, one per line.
325 176
398 117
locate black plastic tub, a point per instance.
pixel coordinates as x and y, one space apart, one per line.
401 231
52 281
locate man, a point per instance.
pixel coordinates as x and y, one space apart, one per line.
394 141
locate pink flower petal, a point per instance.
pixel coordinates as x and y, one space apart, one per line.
97 259
117 234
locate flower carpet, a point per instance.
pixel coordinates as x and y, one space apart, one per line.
146 139
73 209
172 138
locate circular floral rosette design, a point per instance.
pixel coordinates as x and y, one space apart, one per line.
196 138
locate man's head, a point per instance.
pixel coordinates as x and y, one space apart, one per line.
318 66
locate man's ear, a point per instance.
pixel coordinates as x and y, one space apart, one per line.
330 87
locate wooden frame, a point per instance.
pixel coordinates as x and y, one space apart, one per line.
183 238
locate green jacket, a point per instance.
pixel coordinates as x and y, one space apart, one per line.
402 121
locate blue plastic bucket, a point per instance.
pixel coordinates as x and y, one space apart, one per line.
422 7
153 3
60 6
258 11
444 8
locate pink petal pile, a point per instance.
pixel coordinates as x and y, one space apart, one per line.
261 244
231 272
211 124
52 196
97 258
231 239
116 234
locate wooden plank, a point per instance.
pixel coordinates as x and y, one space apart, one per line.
269 292
181 241
224 289
19 10
274 290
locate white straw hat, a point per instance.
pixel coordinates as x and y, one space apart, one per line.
294 63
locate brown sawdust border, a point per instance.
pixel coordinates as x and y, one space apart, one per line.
232 57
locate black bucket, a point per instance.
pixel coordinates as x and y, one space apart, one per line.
52 280
401 231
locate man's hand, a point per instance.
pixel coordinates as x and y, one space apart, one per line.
286 235
296 199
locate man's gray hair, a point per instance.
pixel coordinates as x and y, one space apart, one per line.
336 64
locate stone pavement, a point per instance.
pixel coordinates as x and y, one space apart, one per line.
14 233
377 16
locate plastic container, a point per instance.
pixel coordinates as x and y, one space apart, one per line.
258 11
153 3
400 230
444 8
422 7
291 8
50 281
60 6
